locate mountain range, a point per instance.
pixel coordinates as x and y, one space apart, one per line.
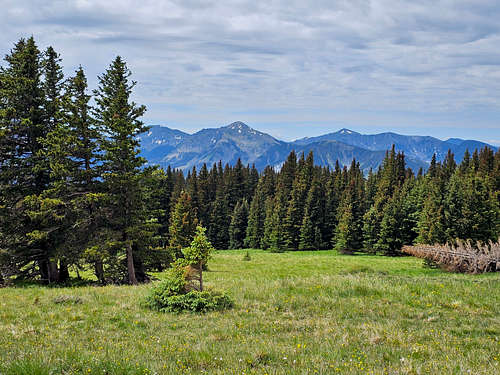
165 146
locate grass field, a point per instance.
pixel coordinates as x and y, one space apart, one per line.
295 313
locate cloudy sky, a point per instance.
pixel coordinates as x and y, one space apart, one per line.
287 67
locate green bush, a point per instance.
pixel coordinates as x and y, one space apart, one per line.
171 295
162 299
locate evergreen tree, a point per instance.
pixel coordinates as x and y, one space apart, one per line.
345 234
24 174
73 154
313 222
183 224
198 253
257 215
52 86
295 209
238 226
119 119
471 210
204 196
220 220
431 227
265 242
348 236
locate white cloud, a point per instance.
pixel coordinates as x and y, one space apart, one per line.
343 59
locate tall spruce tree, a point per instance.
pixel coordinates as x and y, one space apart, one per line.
295 209
311 237
220 219
238 226
119 118
73 154
24 174
348 235
257 214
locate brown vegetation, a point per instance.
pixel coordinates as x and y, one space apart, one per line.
462 256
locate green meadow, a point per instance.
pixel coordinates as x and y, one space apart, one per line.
294 313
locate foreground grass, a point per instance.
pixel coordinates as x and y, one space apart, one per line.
295 313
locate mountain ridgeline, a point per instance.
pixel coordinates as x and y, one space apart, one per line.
164 146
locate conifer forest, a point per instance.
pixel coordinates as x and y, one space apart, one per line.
76 196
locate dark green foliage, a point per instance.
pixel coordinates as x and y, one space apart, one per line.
26 117
178 293
238 226
194 301
118 118
183 223
311 236
220 219
349 231
256 218
294 216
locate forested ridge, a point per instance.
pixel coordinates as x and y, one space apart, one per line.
75 194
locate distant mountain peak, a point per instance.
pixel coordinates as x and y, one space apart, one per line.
346 131
238 125
455 141
241 127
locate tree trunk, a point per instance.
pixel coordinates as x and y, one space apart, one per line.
200 268
99 271
130 264
44 270
63 271
140 272
53 272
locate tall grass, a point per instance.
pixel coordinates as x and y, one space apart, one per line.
295 313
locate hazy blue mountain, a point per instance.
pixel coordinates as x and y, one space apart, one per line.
159 136
455 141
165 146
227 143
415 147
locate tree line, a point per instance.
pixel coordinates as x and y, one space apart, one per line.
307 207
75 194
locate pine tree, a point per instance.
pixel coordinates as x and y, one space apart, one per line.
257 215
204 196
265 242
183 224
24 174
238 226
198 253
313 222
119 119
334 188
431 227
295 209
345 230
471 210
389 178
219 220
348 236
73 154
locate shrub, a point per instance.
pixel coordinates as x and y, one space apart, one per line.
170 296
182 290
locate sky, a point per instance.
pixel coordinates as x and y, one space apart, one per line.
286 67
